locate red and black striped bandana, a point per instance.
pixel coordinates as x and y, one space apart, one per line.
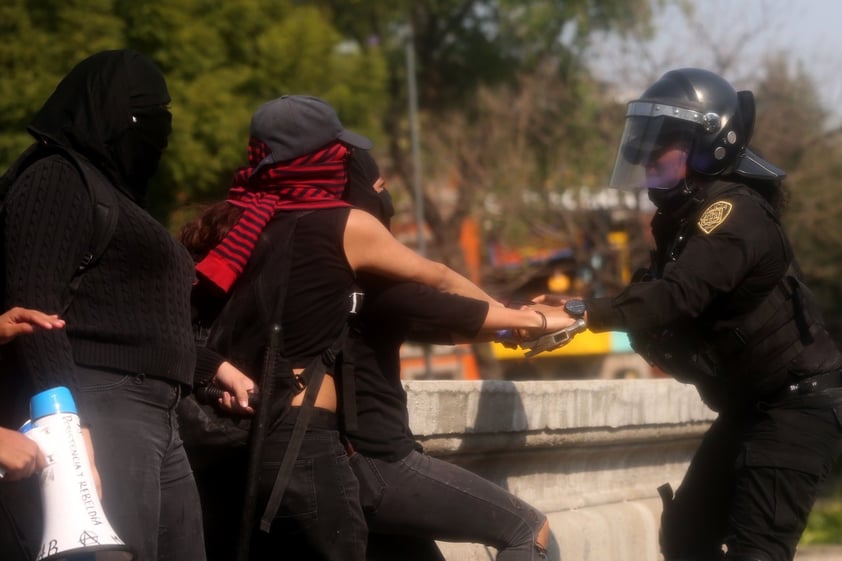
310 182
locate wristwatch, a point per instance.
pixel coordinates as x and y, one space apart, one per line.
575 308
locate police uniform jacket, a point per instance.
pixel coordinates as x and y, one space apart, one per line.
721 305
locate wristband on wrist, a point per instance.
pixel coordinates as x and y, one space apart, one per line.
543 320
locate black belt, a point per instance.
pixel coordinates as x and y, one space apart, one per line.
803 386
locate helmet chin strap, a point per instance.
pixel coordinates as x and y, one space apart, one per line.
676 199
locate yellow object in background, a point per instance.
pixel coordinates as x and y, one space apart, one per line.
586 343
558 283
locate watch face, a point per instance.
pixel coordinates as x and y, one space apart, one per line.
575 308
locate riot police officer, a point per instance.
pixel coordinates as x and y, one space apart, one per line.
722 307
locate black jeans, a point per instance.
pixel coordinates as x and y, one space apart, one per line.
320 516
413 502
148 492
754 479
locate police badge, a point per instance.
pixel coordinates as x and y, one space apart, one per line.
714 215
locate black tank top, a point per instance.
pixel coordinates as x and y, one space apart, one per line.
320 284
316 298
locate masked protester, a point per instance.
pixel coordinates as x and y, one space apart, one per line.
127 353
722 306
411 499
287 239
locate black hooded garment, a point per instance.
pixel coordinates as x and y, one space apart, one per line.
131 312
112 108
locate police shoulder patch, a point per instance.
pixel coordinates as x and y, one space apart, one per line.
714 215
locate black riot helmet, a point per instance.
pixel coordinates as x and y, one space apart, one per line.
699 121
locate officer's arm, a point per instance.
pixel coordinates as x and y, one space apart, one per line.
712 263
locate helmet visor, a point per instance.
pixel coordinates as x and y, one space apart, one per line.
654 147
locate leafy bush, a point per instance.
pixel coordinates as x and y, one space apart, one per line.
825 523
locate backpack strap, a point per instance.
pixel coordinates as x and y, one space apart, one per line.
273 359
312 377
315 371
106 213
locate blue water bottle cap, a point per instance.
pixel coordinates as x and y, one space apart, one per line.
50 402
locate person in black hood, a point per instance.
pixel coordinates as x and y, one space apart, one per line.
113 109
127 353
723 306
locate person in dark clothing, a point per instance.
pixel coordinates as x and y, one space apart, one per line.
722 306
411 499
291 191
127 353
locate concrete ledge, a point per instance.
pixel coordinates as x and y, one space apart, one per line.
589 454
817 553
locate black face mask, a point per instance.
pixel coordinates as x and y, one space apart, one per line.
138 150
387 209
364 197
363 173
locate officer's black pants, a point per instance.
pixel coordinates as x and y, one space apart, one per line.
754 479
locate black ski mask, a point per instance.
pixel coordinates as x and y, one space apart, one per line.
363 172
138 151
112 108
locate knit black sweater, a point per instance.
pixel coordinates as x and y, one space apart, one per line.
132 309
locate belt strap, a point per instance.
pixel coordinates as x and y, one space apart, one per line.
812 384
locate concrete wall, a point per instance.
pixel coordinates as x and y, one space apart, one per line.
589 454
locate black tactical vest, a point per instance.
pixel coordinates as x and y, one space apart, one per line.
779 338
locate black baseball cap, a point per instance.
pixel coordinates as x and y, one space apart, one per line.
294 125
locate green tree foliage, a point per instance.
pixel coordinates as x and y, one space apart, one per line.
485 67
41 40
221 59
791 128
790 132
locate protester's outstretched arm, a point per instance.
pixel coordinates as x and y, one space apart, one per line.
432 316
369 246
536 319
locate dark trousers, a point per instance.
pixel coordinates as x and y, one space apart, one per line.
754 479
413 502
148 492
320 516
